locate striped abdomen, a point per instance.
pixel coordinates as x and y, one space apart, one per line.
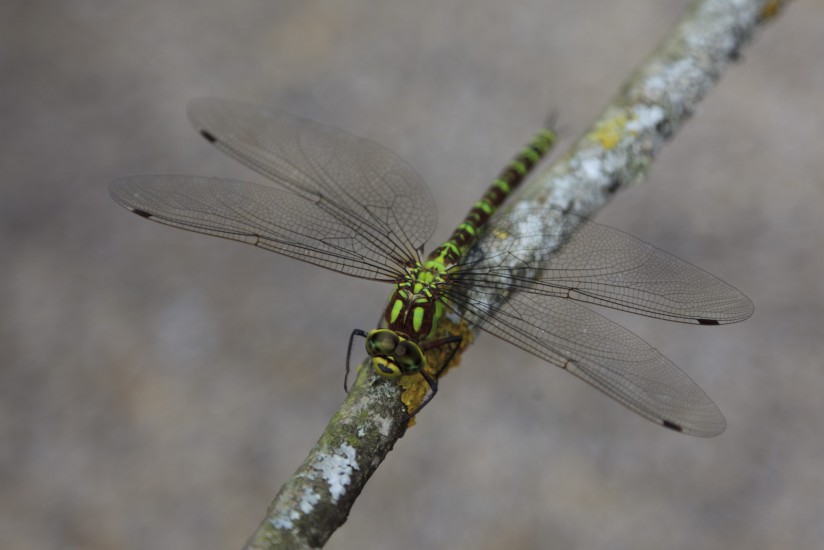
464 236
415 307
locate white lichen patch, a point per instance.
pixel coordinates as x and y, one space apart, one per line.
285 520
645 117
529 222
384 426
653 87
337 469
308 500
592 168
596 168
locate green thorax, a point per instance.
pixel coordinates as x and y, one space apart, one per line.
415 307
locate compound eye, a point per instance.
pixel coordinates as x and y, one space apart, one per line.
381 342
386 368
409 357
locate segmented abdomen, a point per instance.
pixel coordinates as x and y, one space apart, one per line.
464 236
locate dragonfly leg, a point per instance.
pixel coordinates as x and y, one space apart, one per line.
444 342
356 332
433 389
433 381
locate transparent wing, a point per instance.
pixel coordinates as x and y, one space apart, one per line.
600 265
273 219
378 192
600 352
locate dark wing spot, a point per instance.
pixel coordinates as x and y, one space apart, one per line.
209 137
141 213
707 322
671 426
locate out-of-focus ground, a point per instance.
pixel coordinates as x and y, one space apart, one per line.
156 386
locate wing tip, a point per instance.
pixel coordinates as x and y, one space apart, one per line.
710 428
672 426
708 431
209 137
741 311
139 212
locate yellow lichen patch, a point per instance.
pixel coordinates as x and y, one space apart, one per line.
499 234
770 9
414 392
415 387
610 131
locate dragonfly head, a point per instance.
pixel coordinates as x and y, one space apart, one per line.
393 355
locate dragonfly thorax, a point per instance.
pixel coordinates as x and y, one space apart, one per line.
415 306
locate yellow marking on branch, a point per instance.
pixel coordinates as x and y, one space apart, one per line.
500 234
610 131
770 10
415 387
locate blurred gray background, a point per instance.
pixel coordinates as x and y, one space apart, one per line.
157 387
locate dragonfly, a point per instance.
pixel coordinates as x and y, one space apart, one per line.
348 204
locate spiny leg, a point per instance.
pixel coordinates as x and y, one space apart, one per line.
433 389
433 381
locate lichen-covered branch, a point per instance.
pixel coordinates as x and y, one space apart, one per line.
618 150
317 498
615 153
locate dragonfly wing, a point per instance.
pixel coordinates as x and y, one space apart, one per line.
600 265
600 352
273 219
377 190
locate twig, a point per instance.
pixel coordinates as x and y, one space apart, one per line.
615 153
